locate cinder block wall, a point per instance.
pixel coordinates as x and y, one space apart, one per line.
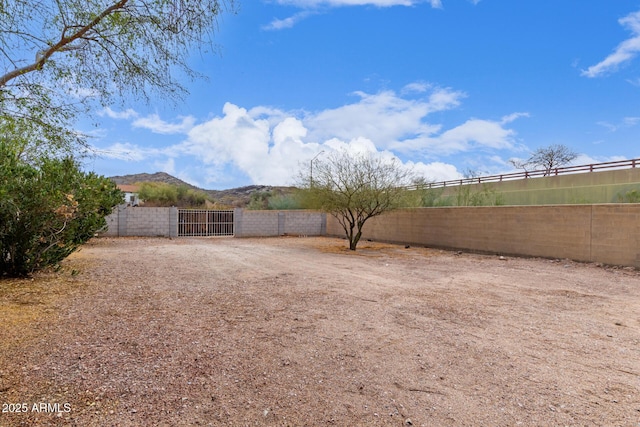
138 221
305 223
249 223
598 233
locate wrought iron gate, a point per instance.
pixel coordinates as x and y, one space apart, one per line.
200 222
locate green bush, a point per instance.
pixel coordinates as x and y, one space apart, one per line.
163 194
285 202
259 200
631 196
48 208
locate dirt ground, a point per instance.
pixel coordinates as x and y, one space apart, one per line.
302 332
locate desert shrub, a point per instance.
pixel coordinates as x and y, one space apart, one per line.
284 202
631 196
164 194
259 200
48 208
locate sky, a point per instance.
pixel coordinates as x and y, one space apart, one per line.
448 87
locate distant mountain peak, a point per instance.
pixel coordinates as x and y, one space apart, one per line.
151 177
238 197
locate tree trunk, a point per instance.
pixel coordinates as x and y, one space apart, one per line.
354 240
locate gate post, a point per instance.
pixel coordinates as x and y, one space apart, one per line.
237 222
173 222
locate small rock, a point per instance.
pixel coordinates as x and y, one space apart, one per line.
502 258
408 422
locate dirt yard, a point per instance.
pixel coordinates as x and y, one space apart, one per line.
301 332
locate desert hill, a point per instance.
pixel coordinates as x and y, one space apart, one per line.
234 197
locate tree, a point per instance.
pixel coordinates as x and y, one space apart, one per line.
47 210
60 57
547 158
355 188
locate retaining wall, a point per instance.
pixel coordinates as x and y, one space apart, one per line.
597 233
580 188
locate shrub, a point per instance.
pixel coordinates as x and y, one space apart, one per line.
47 210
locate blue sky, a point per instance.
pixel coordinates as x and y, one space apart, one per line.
446 86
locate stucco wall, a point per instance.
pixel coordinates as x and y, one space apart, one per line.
598 233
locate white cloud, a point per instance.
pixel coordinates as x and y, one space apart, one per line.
627 122
626 51
384 118
270 146
168 166
280 24
416 87
474 133
435 171
311 4
310 7
122 115
512 117
128 152
157 125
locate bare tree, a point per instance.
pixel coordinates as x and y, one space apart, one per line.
355 188
547 158
59 58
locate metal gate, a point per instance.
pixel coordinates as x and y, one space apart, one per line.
201 222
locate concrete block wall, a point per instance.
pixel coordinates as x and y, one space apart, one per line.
615 234
138 221
250 223
305 223
594 233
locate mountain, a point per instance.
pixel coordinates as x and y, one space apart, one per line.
234 197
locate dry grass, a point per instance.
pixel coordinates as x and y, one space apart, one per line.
370 248
27 302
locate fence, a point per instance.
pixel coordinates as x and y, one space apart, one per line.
174 222
199 222
623 164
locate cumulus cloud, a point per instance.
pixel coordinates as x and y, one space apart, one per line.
271 146
625 52
384 118
474 133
